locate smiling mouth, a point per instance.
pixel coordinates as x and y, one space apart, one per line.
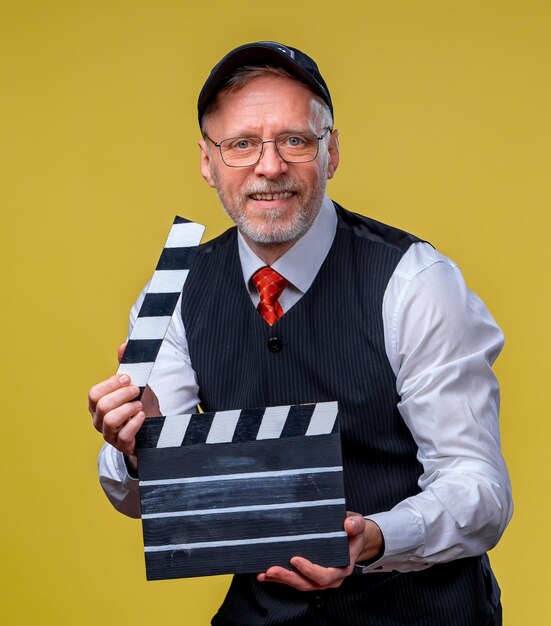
271 196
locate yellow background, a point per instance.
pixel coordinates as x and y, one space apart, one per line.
444 112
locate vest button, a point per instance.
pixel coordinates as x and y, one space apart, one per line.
274 344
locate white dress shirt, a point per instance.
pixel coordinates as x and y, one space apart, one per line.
440 341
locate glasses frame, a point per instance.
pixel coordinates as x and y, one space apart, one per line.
263 141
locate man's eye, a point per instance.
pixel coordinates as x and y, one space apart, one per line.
241 144
295 141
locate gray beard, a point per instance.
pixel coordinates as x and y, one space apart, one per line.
273 232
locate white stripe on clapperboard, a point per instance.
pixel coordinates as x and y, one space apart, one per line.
168 281
244 509
150 327
323 418
184 235
173 431
272 423
138 372
246 475
244 542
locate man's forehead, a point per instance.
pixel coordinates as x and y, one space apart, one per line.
267 100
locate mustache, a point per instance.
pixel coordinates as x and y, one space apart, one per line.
272 186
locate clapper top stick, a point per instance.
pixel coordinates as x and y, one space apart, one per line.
160 301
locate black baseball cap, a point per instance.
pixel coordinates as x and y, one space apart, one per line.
264 53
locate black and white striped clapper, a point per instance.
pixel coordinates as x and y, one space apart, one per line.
160 300
239 491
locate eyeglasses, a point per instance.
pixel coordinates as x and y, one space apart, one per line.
291 147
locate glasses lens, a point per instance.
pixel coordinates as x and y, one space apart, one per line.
297 148
241 151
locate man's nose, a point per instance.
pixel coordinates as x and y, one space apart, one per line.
271 165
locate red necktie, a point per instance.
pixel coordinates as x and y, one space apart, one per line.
270 286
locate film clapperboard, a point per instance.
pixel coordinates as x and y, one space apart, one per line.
230 491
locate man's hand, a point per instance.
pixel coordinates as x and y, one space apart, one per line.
365 541
116 412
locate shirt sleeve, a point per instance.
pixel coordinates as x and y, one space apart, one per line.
441 342
174 382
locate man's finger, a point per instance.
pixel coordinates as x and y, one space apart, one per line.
321 577
286 577
117 418
126 436
105 387
117 398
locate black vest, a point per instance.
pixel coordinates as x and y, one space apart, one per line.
328 346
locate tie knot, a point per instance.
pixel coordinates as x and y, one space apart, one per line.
270 286
269 283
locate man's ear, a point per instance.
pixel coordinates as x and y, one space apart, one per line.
334 156
206 163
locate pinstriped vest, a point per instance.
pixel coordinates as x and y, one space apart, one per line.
328 346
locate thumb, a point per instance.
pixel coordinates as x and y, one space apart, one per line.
354 525
120 351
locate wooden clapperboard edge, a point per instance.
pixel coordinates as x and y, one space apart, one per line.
326 544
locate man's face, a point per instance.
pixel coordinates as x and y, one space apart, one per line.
272 201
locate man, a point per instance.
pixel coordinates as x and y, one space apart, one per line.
364 314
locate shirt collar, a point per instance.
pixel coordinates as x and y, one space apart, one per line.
301 263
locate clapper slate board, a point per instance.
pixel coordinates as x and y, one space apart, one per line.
232 491
240 491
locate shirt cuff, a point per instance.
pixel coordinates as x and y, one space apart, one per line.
121 489
403 533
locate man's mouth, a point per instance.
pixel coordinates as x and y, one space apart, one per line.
271 196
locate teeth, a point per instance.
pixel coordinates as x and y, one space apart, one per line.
271 196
